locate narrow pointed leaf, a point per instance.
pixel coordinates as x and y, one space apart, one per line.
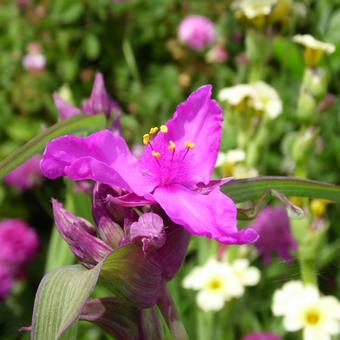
78 123
60 297
241 190
133 277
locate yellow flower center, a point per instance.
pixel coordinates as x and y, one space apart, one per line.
215 284
312 317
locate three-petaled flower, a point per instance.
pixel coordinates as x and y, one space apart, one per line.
175 170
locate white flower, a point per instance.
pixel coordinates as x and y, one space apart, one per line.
248 276
266 99
216 283
303 308
254 8
284 296
231 157
235 95
310 42
244 171
258 96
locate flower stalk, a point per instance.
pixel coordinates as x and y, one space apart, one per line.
170 314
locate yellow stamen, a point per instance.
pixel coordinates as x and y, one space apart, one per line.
156 154
153 130
164 128
146 139
172 145
189 145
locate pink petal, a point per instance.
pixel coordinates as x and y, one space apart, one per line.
213 184
199 120
65 110
149 230
102 157
212 215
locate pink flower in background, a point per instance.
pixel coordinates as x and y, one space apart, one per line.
175 170
23 4
6 282
34 60
26 175
217 54
99 102
197 31
273 226
262 336
19 245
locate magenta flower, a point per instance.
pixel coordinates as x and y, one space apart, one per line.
197 31
99 102
174 171
26 175
273 226
19 245
6 282
162 244
262 336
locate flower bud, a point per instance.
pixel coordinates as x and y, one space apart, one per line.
316 82
306 108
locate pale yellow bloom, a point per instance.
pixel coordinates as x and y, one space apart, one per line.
254 8
304 309
314 49
236 95
309 41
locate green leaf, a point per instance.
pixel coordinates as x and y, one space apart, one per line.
59 300
133 277
241 190
78 123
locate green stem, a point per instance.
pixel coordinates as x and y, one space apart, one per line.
308 271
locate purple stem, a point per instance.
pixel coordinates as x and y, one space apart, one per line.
169 312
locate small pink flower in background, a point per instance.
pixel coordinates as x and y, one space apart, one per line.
273 226
6 282
34 60
261 336
197 31
19 245
218 54
23 4
26 175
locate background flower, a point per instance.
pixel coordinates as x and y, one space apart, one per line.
197 31
274 229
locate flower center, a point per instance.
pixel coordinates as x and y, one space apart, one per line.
312 317
215 284
170 159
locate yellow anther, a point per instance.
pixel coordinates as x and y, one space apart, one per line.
153 130
171 146
189 145
164 128
156 154
146 139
